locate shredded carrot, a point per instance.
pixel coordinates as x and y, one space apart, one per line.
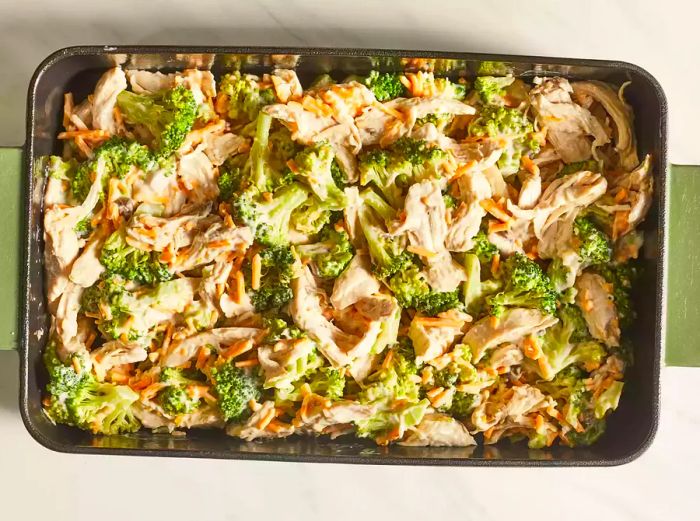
434 392
84 134
530 166
494 209
90 339
247 363
256 267
83 147
386 364
278 426
168 337
620 196
266 419
438 322
67 108
531 349
238 348
426 374
488 433
539 422
418 250
495 263
240 287
493 321
498 226
202 357
218 244
293 166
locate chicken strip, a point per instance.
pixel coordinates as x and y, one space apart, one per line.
104 99
568 124
438 430
598 307
513 325
355 283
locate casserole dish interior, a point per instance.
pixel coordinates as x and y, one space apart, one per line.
630 429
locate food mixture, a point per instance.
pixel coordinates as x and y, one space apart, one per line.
401 257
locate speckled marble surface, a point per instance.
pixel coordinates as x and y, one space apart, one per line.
660 36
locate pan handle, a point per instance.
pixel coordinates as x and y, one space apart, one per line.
683 284
10 223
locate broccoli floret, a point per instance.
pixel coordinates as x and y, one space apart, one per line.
62 384
593 245
331 255
315 164
446 88
608 400
588 436
438 301
109 294
279 329
234 388
84 227
387 253
262 176
282 146
245 97
491 89
339 177
271 296
511 125
276 277
270 218
441 120
233 177
176 400
119 155
394 169
168 115
483 249
104 408
385 86
462 405
621 276
328 382
526 285
56 168
119 258
76 398
381 169
409 286
311 217
178 376
396 382
568 343
425 159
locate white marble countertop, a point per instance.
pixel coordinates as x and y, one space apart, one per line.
660 36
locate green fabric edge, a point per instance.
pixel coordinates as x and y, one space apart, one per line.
11 216
683 290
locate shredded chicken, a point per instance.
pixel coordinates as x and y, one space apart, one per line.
182 351
569 125
438 430
104 99
514 324
355 283
595 299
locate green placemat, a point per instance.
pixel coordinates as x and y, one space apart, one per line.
683 311
10 219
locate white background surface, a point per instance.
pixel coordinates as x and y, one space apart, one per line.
661 36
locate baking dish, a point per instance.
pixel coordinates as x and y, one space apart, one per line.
630 430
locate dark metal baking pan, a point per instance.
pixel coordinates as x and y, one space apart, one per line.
630 429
